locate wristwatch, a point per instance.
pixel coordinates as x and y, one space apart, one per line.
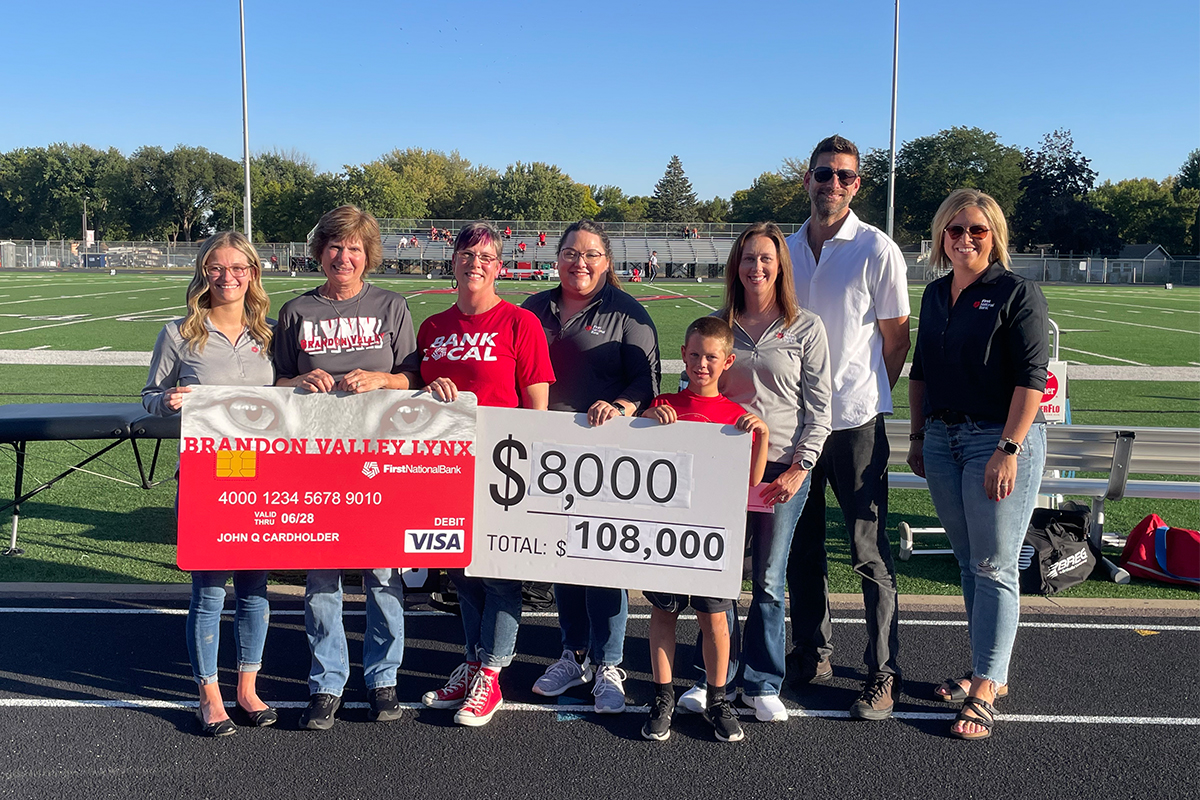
620 408
1009 447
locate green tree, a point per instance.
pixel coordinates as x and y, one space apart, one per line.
538 191
928 169
378 190
673 199
1149 212
772 197
715 210
1189 178
281 184
616 206
1056 209
447 185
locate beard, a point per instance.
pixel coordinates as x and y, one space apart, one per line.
830 205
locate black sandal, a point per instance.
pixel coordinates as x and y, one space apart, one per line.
985 718
956 693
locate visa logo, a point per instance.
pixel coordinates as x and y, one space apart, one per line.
433 541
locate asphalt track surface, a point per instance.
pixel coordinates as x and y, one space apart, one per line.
95 704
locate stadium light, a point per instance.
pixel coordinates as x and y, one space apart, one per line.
891 204
245 129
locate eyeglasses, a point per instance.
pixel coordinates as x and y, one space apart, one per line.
236 271
976 231
824 174
591 258
483 259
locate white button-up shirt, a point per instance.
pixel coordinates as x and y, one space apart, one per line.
861 278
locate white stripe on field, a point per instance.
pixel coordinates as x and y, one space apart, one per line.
1123 322
1101 355
933 623
554 708
681 294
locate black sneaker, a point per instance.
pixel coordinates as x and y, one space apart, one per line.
319 714
658 727
384 705
878 697
724 721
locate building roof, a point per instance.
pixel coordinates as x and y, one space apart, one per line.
1138 252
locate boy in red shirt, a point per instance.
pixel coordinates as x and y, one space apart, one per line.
707 352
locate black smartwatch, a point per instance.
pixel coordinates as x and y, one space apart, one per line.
620 408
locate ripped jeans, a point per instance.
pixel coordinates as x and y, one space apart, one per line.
986 535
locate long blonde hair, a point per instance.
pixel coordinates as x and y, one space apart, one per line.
199 304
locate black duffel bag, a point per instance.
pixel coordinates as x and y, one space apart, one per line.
1056 554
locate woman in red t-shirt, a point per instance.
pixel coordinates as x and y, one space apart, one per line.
488 346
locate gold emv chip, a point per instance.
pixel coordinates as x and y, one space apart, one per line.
235 463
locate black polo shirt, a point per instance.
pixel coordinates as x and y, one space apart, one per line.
995 339
608 351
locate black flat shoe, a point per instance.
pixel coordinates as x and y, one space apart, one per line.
258 719
223 728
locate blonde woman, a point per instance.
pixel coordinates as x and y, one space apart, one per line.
978 436
224 339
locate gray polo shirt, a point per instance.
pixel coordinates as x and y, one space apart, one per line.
242 363
783 378
371 331
608 351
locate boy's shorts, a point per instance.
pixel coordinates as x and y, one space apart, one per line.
674 603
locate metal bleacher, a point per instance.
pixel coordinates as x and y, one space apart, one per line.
675 255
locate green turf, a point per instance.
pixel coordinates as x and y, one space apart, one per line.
87 529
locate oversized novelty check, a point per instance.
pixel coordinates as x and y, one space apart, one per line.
630 504
275 478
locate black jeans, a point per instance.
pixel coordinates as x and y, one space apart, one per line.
854 463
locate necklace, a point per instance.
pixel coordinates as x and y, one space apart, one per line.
357 303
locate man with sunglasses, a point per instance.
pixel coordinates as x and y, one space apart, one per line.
854 277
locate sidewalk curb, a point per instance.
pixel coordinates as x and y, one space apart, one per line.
1030 605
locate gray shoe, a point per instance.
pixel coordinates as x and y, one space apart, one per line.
562 675
610 690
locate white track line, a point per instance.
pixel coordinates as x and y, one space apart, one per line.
554 708
1084 299
935 623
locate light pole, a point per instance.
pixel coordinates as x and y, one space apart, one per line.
245 129
891 204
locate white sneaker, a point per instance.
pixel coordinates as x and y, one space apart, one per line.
563 674
767 708
695 699
610 690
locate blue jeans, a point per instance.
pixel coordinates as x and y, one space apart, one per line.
764 641
491 614
251 616
383 643
986 535
593 618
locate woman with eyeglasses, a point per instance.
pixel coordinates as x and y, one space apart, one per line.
512 370
225 339
604 348
977 434
352 336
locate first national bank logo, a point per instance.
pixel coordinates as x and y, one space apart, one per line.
370 469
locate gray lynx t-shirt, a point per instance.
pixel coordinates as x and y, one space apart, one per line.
371 331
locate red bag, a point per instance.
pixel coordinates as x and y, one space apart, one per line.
1158 552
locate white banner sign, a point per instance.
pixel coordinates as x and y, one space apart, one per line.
1054 399
630 504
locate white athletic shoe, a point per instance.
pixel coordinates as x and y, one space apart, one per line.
695 699
767 708
562 675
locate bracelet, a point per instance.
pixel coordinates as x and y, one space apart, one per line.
916 437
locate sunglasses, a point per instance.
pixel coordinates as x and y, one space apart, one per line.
976 231
824 174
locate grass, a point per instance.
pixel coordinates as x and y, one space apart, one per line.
87 529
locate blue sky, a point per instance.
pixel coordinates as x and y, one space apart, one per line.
610 90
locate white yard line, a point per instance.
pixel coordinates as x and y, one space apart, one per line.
1101 355
1084 299
1134 324
685 297
83 296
